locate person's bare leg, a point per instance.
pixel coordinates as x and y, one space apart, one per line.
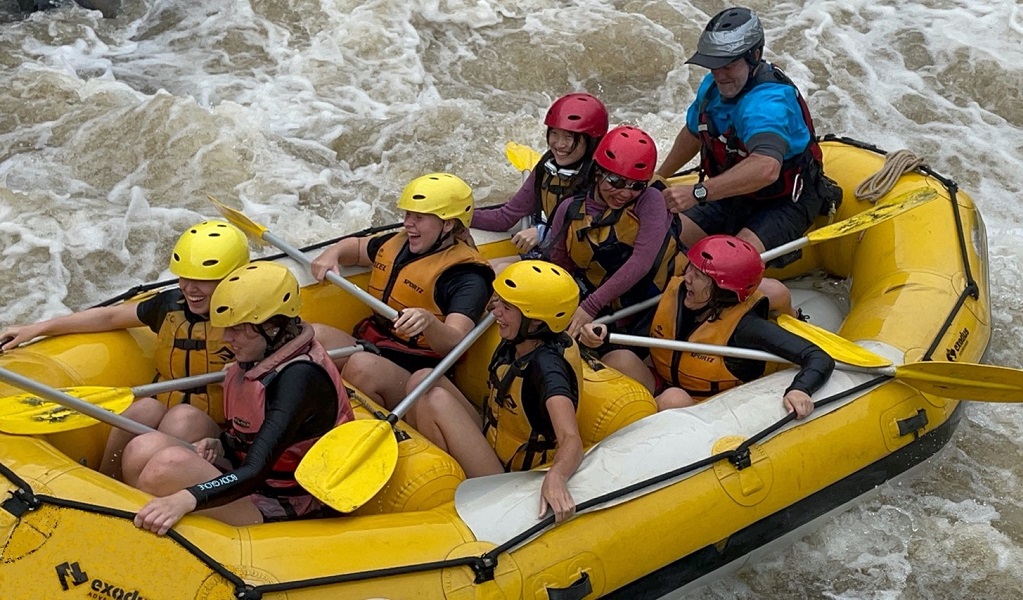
445 384
627 363
147 411
182 424
188 423
779 296
691 232
140 450
441 417
176 468
331 338
380 379
674 398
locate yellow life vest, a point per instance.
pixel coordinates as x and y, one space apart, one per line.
518 446
412 284
601 246
702 375
185 348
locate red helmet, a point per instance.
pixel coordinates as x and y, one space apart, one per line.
578 113
627 151
732 263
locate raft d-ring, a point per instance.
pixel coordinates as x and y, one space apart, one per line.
747 486
215 586
460 582
24 533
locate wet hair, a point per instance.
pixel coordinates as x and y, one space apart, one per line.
720 299
278 330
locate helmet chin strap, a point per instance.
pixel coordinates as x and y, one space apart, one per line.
440 240
527 331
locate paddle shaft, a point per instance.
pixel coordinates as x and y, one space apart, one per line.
183 383
784 249
646 342
66 400
857 222
442 367
332 277
119 421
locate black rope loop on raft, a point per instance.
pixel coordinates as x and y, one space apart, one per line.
483 566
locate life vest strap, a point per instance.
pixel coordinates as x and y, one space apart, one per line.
189 345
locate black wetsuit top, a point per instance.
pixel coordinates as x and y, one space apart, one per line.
301 404
547 374
757 333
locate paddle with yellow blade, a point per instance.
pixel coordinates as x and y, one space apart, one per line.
857 222
262 234
66 400
854 224
835 345
348 466
987 383
521 157
46 410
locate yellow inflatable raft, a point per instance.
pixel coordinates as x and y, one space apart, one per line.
664 499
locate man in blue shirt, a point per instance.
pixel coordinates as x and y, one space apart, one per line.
761 175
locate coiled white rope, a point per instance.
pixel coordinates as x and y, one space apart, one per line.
896 164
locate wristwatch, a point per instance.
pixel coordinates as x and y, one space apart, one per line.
700 193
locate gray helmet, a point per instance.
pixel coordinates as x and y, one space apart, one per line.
730 35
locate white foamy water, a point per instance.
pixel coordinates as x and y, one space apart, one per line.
314 114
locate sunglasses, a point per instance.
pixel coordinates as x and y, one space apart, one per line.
622 183
555 171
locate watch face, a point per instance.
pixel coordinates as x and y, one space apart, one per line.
699 192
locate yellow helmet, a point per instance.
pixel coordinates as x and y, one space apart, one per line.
440 194
253 294
541 290
209 251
